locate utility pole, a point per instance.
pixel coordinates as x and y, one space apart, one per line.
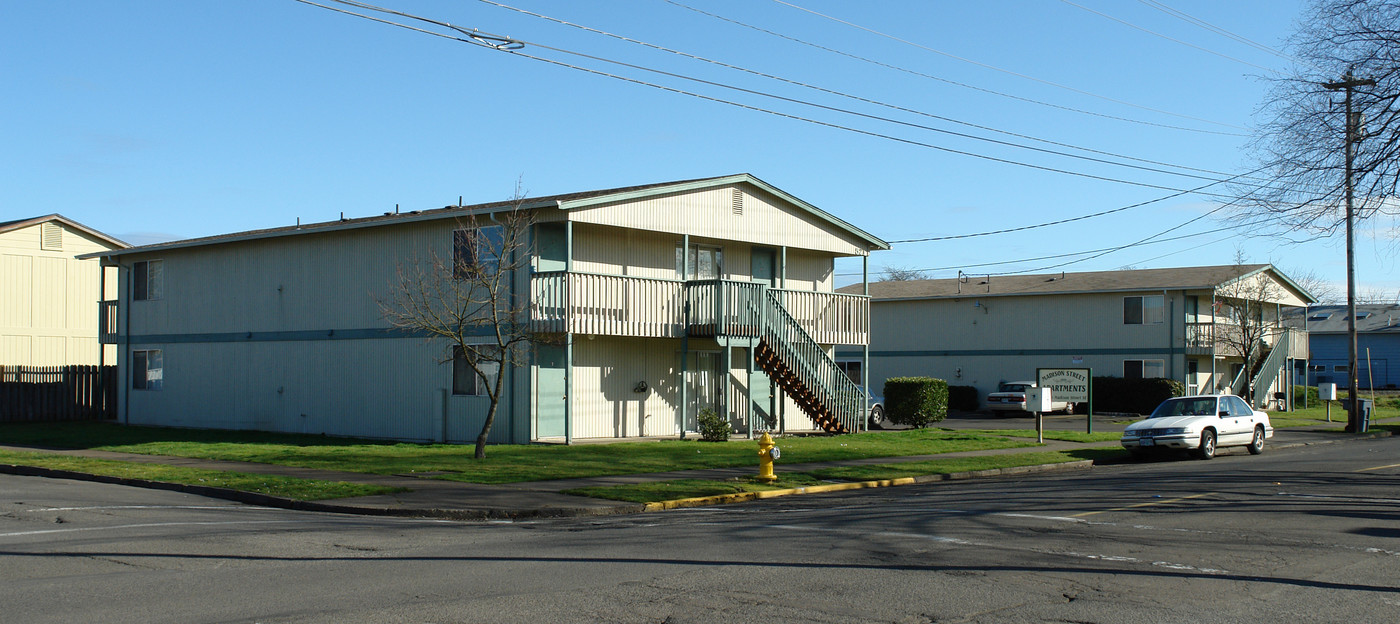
1353 136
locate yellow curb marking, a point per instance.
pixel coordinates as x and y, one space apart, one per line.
1379 467
1147 504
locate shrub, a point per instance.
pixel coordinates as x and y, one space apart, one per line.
1133 396
713 427
916 401
963 398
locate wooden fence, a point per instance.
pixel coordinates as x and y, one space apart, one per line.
52 393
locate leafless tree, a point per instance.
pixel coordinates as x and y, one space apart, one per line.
1321 289
1243 304
469 302
901 274
1301 145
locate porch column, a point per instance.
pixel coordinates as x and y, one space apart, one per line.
864 422
685 333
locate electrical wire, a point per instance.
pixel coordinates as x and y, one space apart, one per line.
513 46
1172 39
951 82
875 102
1007 71
1226 33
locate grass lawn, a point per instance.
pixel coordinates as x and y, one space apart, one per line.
285 487
691 488
503 464
1067 436
1384 408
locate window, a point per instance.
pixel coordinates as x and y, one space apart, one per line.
465 381
1339 368
147 369
477 250
1145 310
148 280
1320 316
704 262
1144 369
851 368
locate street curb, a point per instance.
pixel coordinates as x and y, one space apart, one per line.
705 501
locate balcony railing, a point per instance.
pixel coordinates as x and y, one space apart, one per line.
1206 338
616 305
107 322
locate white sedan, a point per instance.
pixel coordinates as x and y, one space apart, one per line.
1200 424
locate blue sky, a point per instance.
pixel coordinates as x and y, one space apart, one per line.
155 120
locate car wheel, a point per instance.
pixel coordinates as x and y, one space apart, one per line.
1069 408
1256 446
877 418
1207 448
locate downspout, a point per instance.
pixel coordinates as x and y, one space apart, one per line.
864 422
568 337
1214 383
123 381
1171 336
685 333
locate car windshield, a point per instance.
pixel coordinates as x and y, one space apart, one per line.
1185 407
1009 387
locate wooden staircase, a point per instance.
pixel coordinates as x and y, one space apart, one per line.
806 400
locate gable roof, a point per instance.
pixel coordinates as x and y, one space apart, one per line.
1332 319
10 226
565 201
1135 280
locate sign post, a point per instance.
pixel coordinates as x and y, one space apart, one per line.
1039 400
1072 385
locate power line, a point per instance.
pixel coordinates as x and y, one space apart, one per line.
1172 39
1006 71
947 81
879 103
1226 33
513 46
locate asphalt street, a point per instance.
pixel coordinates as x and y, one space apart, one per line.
1297 535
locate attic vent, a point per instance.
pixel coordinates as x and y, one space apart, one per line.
50 236
738 202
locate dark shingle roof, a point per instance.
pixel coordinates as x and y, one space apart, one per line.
1188 278
1331 319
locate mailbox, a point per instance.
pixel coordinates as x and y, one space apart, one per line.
1038 400
1327 391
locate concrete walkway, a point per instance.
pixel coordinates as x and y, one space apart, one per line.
427 497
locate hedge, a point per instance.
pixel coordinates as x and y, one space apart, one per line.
916 401
963 398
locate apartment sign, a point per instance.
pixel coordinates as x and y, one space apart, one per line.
1066 384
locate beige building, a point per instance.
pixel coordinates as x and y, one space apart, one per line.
48 297
662 300
1183 324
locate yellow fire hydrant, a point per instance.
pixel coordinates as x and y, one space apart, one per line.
767 452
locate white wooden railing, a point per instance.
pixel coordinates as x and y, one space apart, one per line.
618 305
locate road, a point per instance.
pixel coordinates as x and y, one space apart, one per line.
1297 535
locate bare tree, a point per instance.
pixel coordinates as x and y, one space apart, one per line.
1243 303
901 274
470 302
1321 289
1301 146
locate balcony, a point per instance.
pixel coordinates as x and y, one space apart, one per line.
1218 338
616 305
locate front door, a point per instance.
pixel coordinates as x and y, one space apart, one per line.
704 374
763 266
551 391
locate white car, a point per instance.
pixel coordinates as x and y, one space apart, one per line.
1011 397
1201 424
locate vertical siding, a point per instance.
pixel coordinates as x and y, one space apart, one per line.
710 214
48 298
607 369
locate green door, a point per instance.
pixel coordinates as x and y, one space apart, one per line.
763 266
551 391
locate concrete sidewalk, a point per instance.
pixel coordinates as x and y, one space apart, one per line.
427 497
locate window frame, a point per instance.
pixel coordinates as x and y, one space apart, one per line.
141 373
1146 314
470 246
148 280
1160 365
465 382
691 260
